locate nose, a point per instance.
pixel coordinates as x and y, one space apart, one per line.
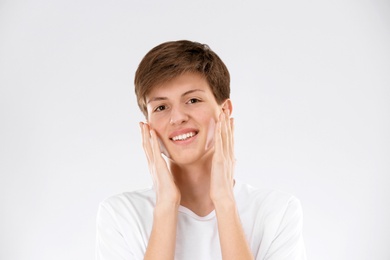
178 116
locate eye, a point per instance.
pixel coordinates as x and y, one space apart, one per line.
193 100
160 108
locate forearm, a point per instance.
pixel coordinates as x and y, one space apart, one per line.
163 236
231 234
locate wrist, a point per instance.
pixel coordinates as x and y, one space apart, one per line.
222 197
224 205
163 208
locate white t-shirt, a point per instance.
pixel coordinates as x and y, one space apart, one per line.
272 222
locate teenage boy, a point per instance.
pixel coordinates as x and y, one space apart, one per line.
195 209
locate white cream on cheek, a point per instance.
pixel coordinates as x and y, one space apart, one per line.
163 149
210 134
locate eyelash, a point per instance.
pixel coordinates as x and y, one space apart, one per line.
157 109
163 107
193 99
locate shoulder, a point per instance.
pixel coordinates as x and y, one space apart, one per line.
265 196
273 220
122 221
129 201
269 202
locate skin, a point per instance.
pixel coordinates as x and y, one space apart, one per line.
196 175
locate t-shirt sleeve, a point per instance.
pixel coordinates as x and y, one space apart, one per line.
287 243
110 243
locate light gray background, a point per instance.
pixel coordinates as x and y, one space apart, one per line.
310 88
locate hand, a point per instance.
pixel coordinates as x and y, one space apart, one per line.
165 187
222 169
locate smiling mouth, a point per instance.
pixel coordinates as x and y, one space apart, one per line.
184 137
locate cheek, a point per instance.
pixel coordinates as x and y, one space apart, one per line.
209 119
156 128
157 123
209 113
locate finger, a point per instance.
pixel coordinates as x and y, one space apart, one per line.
228 144
146 142
155 146
231 143
224 134
233 156
159 163
217 137
229 135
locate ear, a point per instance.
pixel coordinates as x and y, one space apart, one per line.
227 104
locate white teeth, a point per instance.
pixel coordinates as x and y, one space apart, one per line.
183 136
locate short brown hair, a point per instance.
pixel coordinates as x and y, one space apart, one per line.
171 59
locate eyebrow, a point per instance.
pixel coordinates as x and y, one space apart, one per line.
182 95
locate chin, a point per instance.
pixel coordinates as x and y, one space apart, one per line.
192 158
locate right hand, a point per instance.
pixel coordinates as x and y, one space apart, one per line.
163 181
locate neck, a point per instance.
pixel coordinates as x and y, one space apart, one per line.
193 181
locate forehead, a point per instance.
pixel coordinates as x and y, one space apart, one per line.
179 85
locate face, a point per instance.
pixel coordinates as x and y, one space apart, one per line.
183 112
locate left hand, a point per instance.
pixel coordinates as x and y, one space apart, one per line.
222 169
